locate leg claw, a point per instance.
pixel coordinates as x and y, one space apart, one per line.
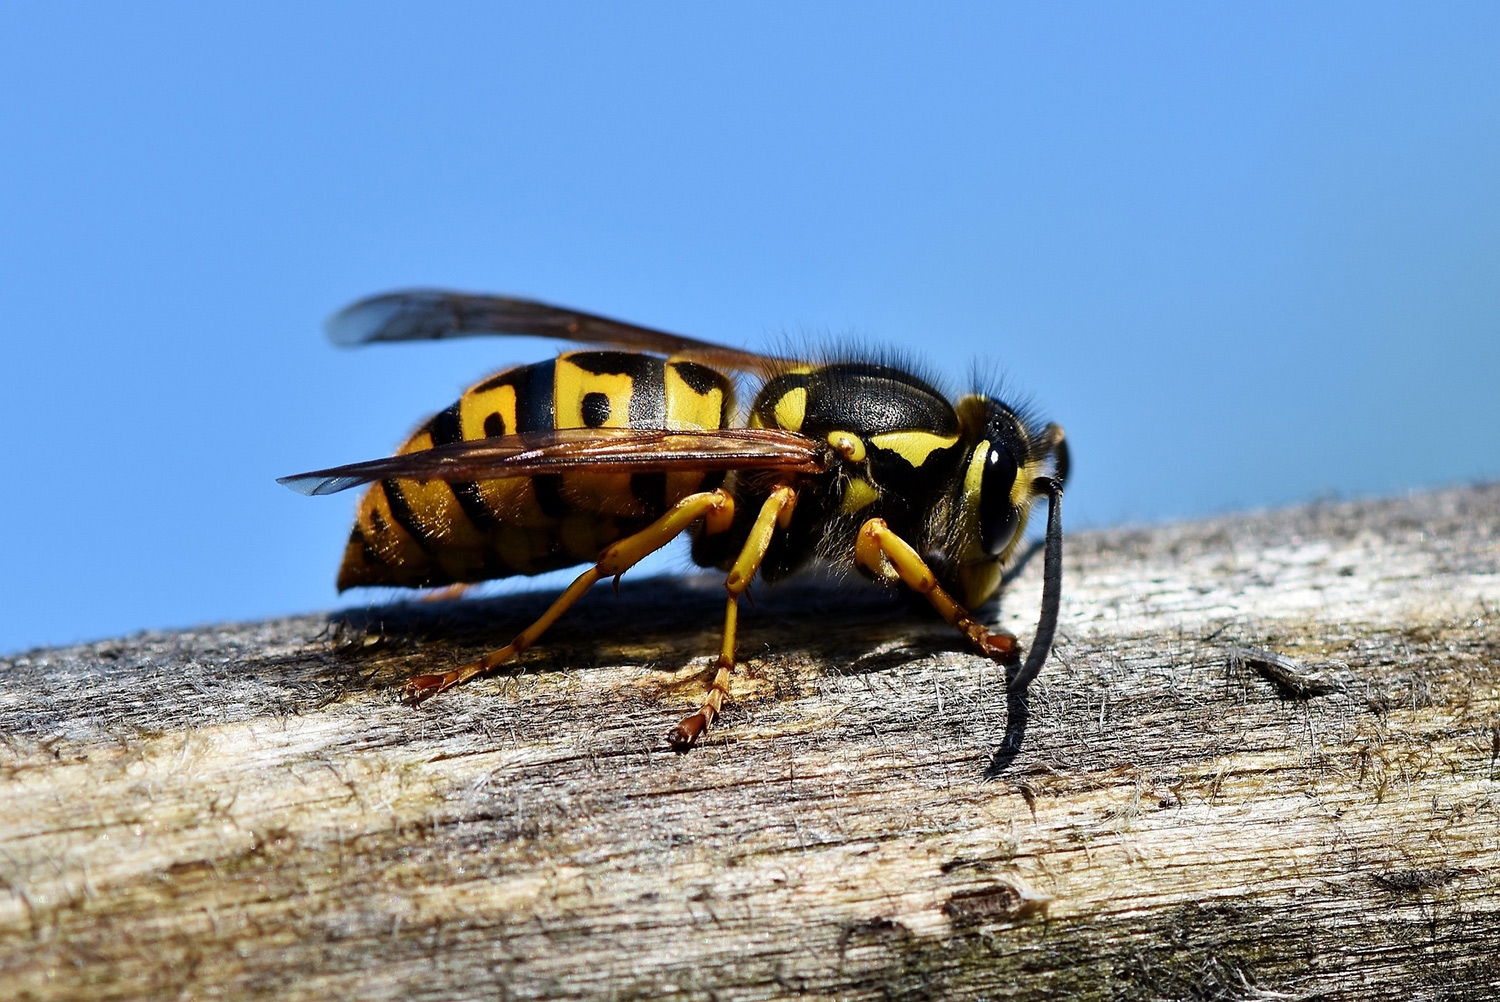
686 733
421 688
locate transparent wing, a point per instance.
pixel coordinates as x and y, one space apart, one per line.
612 450
433 314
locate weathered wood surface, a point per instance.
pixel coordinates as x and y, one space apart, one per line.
246 811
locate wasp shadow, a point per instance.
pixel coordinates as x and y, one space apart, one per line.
666 620
228 672
849 626
386 644
1017 715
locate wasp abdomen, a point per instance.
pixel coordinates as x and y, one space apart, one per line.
422 534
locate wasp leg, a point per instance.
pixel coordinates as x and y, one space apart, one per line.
775 513
447 593
879 550
715 507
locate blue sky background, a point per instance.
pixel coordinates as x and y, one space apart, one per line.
1248 255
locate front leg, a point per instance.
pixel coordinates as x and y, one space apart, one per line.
881 551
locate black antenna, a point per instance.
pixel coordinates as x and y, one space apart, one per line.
1046 626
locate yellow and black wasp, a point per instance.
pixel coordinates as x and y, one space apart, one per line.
605 456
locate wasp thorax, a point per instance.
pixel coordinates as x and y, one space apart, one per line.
999 518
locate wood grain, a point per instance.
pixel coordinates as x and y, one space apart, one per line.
1264 763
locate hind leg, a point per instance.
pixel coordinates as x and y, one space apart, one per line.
716 507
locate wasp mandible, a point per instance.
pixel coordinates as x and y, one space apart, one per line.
601 457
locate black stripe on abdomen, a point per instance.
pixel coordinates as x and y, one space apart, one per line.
404 516
648 397
534 410
446 428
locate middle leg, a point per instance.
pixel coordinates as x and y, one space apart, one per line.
716 508
775 513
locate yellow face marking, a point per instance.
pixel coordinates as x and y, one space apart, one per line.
978 573
687 408
572 383
1020 491
859 494
848 445
1020 496
791 409
969 506
491 410
913 446
974 476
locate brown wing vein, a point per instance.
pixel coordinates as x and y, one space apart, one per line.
633 449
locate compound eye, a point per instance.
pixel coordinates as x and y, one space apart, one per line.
998 517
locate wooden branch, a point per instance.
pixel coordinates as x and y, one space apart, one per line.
1263 763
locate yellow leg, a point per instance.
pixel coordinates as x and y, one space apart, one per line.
878 550
715 507
775 513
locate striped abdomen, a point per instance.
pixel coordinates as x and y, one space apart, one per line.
425 534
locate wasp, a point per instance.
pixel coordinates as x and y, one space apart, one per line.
605 455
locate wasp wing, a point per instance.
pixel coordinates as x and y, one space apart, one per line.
615 450
433 314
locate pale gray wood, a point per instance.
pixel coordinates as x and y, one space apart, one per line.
1264 762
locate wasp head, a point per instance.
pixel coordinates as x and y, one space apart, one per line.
1007 453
